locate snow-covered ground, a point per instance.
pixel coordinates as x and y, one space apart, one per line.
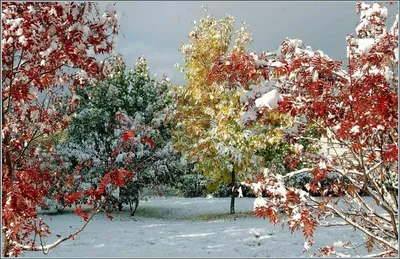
187 227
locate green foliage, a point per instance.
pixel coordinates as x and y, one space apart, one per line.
128 100
274 155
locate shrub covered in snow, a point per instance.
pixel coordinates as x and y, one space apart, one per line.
122 123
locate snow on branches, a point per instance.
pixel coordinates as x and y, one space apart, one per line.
208 112
122 123
355 112
45 47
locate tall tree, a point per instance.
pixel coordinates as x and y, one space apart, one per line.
210 131
45 47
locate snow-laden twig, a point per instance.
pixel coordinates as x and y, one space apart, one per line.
297 172
333 224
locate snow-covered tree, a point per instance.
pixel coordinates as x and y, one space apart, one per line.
356 108
121 123
208 128
211 129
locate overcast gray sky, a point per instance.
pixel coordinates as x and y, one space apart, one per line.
156 29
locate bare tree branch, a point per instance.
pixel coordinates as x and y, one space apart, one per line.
46 248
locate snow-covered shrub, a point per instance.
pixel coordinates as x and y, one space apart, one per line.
223 190
123 123
192 185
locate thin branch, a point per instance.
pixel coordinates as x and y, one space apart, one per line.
359 227
374 167
59 241
384 231
333 224
380 254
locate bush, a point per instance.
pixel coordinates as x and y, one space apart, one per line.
192 185
223 191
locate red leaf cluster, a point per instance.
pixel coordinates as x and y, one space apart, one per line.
267 212
238 68
148 140
78 211
128 135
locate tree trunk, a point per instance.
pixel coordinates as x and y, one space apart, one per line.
6 245
233 193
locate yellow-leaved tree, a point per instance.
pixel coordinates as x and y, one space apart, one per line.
210 128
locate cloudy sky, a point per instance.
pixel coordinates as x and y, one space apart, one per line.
156 29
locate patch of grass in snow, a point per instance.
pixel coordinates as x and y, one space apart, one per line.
66 210
159 213
224 216
174 214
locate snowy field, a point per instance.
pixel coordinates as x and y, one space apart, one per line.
187 227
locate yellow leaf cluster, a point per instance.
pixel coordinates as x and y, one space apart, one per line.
208 129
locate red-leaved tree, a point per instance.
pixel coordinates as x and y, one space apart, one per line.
357 112
46 47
